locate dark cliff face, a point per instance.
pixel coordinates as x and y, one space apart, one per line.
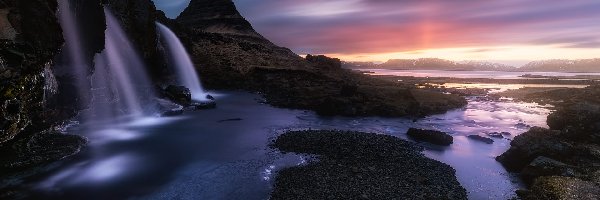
138 18
225 47
216 16
30 38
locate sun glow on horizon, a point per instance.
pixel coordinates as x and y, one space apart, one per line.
512 55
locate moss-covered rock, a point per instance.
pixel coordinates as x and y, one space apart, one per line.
562 188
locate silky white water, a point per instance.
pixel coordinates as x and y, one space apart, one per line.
181 61
120 80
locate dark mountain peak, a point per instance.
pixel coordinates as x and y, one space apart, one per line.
216 16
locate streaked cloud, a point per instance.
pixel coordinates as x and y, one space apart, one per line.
363 28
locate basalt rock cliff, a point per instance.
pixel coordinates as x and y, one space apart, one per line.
30 37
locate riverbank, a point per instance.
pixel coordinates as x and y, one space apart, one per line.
355 165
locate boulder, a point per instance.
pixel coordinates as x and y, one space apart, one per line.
431 136
168 108
543 166
204 105
481 139
210 97
179 94
531 144
496 135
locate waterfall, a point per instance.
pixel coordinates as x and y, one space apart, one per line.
119 84
75 66
180 59
120 79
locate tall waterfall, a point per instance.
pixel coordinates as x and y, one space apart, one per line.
76 66
120 79
182 63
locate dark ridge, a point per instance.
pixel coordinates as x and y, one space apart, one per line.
216 16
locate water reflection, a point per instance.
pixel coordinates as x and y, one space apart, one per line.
470 74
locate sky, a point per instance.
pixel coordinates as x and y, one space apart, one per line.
508 31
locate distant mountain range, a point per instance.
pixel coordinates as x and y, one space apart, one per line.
584 65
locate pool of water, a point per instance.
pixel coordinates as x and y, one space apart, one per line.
202 155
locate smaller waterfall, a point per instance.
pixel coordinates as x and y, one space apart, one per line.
180 58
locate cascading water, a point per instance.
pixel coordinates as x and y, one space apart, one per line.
120 79
182 62
76 66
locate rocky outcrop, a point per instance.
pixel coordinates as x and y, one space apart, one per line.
580 119
562 162
536 142
481 139
431 136
355 165
31 38
178 94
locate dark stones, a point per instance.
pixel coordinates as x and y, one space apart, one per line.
558 187
210 97
168 108
356 165
431 136
582 120
204 105
543 166
39 149
481 139
499 135
528 146
35 39
179 94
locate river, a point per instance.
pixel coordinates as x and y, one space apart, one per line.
224 154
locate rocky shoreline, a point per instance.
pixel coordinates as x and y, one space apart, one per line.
356 165
562 162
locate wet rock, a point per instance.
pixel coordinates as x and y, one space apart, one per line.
557 187
543 166
39 149
495 135
204 105
521 125
37 39
179 94
528 146
481 139
355 165
431 136
168 108
210 97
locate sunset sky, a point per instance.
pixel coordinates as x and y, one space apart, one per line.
507 31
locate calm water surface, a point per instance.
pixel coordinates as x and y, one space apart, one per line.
468 74
198 156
